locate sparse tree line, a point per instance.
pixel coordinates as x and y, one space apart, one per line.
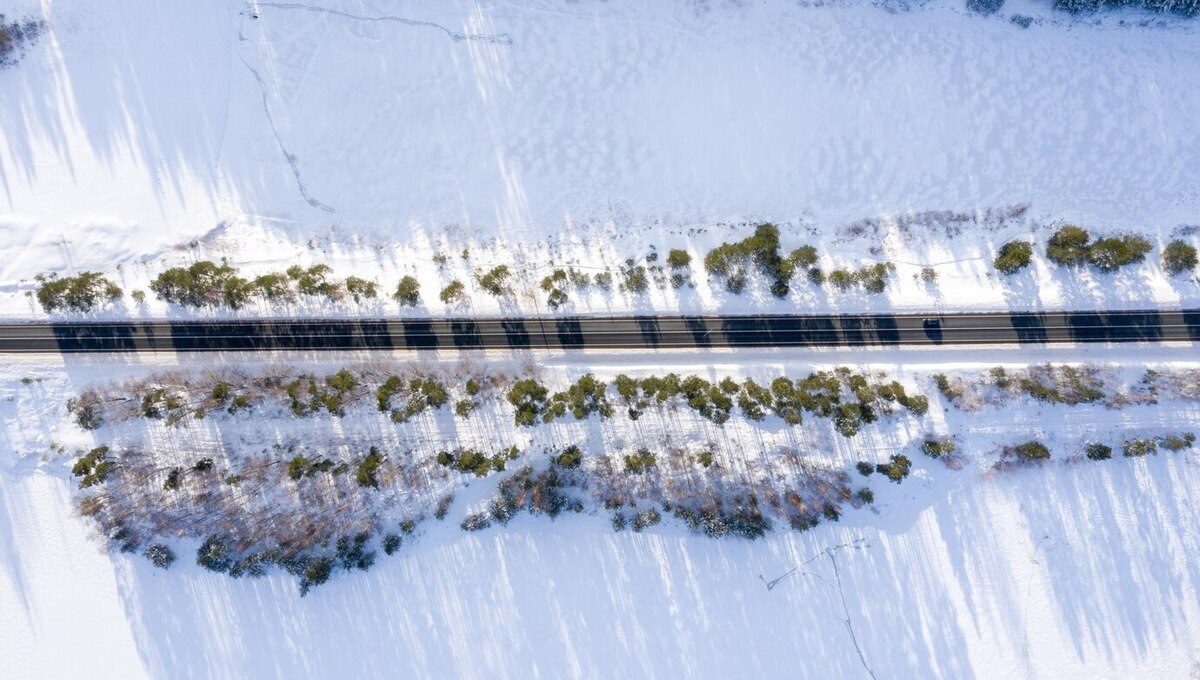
314 512
208 284
1067 385
849 399
1072 246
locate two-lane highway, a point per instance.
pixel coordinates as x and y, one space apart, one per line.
623 332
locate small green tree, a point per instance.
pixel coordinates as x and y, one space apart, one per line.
678 258
1013 257
361 289
454 292
1068 246
408 292
1032 450
81 293
1178 257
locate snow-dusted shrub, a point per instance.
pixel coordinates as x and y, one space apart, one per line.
730 262
985 6
495 280
408 292
315 281
361 289
476 522
215 554
1070 246
1111 253
365 475
201 283
646 518
896 469
470 460
1178 257
583 398
414 397
1097 451
679 258
14 35
1031 450
391 543
571 457
1187 8
1179 442
936 448
454 292
83 292
866 495
159 555
527 396
1014 256
634 278
94 467
173 480
639 462
352 553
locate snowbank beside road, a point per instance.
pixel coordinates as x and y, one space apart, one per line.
134 128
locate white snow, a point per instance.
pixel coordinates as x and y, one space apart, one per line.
582 133
585 132
1067 570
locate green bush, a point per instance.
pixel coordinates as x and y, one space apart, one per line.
160 555
314 281
571 457
174 476
1140 447
640 462
527 397
1178 257
495 281
1179 442
730 262
646 518
201 284
365 475
408 292
1112 253
1068 246
936 448
864 468
454 292
1098 451
81 293
1014 256
361 289
635 279
896 469
391 543
94 467
1032 450
679 258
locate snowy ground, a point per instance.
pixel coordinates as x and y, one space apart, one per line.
1067 570
584 133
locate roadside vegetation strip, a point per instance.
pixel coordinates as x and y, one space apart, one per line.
731 266
316 473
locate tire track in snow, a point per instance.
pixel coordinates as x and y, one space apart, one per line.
497 39
287 155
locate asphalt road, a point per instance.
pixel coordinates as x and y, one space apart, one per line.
630 332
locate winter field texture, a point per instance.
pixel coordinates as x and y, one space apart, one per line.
441 139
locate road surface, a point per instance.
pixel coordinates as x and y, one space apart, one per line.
628 332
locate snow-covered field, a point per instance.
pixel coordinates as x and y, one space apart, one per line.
585 132
137 135
1072 569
